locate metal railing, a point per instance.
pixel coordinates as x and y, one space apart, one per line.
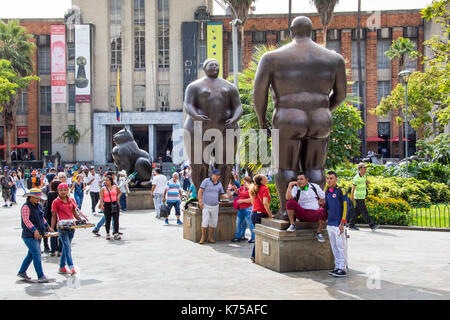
436 215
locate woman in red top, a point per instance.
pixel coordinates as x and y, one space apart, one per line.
109 195
244 212
64 211
260 195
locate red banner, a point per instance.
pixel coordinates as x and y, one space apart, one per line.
58 57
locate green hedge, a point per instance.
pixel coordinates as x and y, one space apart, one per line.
387 211
409 189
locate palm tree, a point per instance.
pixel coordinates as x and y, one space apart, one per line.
72 136
16 48
241 7
325 9
400 49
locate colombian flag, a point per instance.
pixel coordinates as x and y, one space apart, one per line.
118 97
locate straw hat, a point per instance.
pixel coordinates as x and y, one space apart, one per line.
36 193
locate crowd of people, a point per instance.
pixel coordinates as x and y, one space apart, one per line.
50 202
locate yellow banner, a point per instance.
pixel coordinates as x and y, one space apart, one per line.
214 39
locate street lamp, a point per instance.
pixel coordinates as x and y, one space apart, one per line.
404 76
234 24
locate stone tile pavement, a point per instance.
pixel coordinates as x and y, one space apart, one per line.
153 261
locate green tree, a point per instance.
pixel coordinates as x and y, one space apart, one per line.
16 47
8 86
422 91
325 8
438 63
437 149
72 136
344 140
399 50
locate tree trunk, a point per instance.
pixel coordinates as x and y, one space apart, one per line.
324 36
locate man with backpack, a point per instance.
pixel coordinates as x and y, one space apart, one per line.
305 202
337 206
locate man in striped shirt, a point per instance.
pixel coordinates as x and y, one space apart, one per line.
172 197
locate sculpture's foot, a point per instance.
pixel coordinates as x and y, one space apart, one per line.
281 215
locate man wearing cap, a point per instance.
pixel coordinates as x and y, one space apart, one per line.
359 193
33 228
209 193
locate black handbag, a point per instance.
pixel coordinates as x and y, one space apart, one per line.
114 205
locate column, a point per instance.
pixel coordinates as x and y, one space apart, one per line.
177 140
371 84
152 141
346 51
100 143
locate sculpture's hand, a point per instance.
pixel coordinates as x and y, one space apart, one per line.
230 122
204 117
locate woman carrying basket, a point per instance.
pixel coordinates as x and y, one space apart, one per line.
64 211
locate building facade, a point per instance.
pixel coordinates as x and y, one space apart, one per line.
157 47
33 121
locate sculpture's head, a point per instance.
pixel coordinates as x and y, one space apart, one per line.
123 136
301 27
211 68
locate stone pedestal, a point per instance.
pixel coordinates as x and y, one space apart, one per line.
226 226
139 199
283 251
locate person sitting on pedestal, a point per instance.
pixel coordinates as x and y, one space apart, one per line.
303 200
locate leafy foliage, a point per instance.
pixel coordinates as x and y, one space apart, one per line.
344 139
438 64
436 149
422 91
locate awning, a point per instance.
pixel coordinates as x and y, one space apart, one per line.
396 139
26 145
374 139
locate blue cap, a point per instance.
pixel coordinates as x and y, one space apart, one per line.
216 172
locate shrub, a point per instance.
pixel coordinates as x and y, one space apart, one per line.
388 211
274 201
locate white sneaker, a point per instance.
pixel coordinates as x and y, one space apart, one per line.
320 237
291 228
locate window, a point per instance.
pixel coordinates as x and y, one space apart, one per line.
383 90
112 98
71 56
44 60
71 98
411 63
139 34
23 101
163 34
115 25
383 45
46 139
202 50
163 97
45 99
384 130
355 92
139 98
334 45
355 55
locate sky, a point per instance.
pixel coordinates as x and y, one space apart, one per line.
57 8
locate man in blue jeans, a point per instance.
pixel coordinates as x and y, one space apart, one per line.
172 196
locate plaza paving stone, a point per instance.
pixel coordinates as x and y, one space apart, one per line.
153 261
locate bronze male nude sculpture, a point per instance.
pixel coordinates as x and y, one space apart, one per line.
213 103
307 82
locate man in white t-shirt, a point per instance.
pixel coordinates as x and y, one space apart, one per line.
94 182
159 183
304 200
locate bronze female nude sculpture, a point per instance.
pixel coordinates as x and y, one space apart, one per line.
210 103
